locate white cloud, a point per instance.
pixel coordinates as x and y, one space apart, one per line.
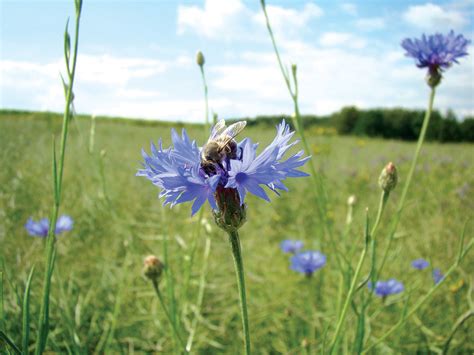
433 17
232 19
104 84
346 39
329 77
370 24
286 19
349 8
217 18
110 70
333 77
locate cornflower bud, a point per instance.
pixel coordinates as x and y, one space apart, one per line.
200 60
388 177
152 268
231 214
433 78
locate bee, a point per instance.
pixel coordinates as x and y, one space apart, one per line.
220 145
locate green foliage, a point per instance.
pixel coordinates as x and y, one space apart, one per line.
399 123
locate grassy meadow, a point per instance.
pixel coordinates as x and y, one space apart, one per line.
101 303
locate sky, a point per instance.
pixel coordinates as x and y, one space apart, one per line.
137 58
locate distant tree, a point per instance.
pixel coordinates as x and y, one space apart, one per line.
346 119
370 123
467 129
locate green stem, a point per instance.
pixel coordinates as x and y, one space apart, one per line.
239 271
401 204
168 315
347 302
204 83
57 178
456 326
25 341
383 201
420 302
321 198
202 287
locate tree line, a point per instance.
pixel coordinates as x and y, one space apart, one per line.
396 123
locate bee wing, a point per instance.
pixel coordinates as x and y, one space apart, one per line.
217 130
234 129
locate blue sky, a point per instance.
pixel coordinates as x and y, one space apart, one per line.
137 58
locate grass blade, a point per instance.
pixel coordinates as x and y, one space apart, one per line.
25 335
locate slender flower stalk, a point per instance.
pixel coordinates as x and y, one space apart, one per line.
352 289
168 315
58 170
153 270
406 186
321 198
437 53
239 272
200 60
200 298
368 238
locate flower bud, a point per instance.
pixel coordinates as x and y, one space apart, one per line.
200 60
388 177
230 215
433 78
152 268
352 200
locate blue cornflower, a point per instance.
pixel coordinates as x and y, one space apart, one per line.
40 228
437 276
386 288
291 246
436 51
183 175
307 262
420 264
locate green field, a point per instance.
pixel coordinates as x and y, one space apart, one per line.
100 302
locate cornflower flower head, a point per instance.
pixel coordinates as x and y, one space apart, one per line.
291 246
437 276
40 228
221 172
386 288
307 262
420 264
436 52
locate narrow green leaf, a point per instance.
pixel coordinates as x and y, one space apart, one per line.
67 48
461 243
2 312
25 337
360 333
55 172
6 339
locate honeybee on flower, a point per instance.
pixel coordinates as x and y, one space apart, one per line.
222 168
